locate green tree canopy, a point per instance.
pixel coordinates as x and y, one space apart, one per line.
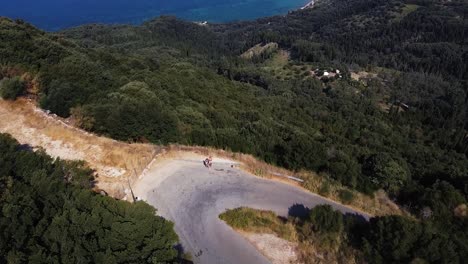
326 220
11 88
48 214
384 171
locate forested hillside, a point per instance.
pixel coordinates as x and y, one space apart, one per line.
402 128
49 214
410 35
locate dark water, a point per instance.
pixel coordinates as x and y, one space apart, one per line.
58 14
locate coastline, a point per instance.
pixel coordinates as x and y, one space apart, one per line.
309 5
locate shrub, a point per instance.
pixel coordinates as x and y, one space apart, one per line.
10 89
244 218
346 196
258 221
324 188
325 219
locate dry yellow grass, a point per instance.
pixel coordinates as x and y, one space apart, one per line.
259 49
380 204
115 162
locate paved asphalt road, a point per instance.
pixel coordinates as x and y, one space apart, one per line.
193 196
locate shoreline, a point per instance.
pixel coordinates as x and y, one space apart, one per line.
308 5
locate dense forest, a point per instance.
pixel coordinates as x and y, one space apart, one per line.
49 214
401 128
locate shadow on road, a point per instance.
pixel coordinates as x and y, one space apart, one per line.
299 211
181 256
302 212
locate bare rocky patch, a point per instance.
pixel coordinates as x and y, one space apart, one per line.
276 249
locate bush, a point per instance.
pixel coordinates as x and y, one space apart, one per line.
346 196
10 89
324 188
243 218
326 220
258 221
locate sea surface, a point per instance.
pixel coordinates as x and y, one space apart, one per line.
58 14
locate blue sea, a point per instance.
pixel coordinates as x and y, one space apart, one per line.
58 14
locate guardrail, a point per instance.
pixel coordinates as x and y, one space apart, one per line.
286 176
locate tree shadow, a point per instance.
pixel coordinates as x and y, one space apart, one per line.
25 147
355 218
355 226
299 211
181 256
